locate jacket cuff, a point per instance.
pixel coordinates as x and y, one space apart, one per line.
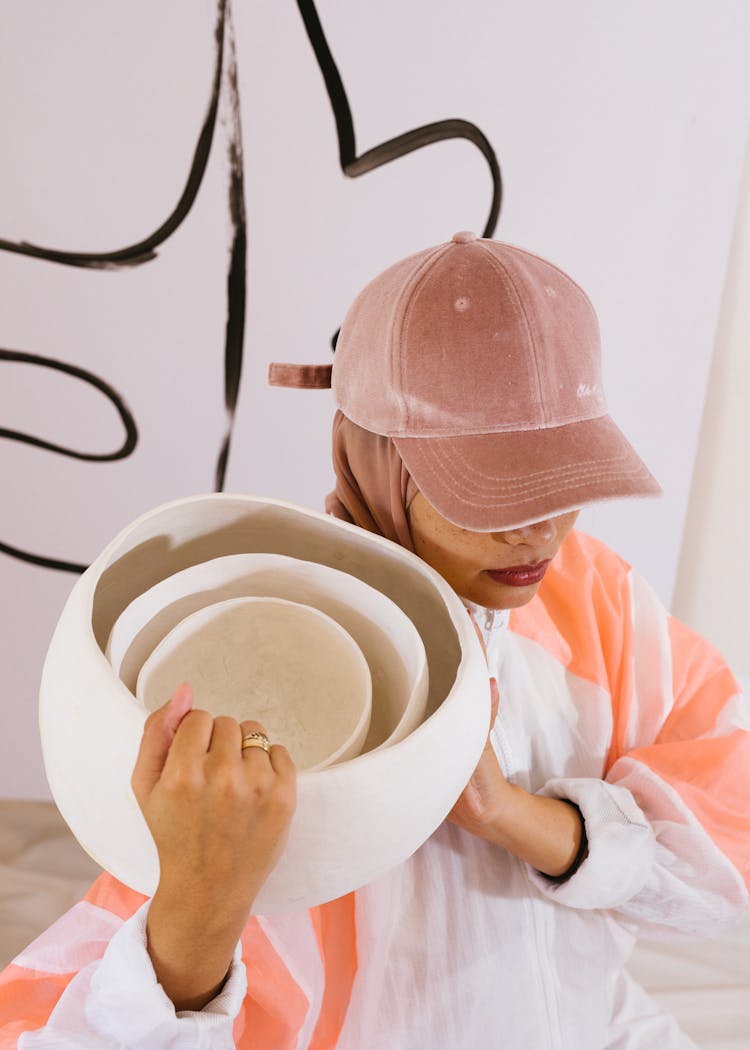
621 846
127 998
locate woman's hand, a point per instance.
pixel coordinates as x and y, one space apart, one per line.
545 832
481 802
219 817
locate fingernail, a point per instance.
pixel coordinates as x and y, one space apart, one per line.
181 701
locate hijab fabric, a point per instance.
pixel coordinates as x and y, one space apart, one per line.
373 487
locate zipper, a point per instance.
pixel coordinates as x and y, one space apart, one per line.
536 913
500 738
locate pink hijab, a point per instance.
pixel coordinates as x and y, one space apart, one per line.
373 487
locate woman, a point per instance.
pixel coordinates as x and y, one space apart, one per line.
611 796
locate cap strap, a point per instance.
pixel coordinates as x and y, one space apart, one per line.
306 377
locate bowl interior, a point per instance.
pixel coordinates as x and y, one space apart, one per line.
188 532
286 665
389 640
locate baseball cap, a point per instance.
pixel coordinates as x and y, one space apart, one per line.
481 361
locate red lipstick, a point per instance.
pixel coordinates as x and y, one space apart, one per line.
520 575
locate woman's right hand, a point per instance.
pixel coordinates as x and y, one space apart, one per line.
219 817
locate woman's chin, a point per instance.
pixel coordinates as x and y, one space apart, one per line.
493 595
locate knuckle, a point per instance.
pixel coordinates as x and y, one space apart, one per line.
226 783
288 768
135 784
225 721
183 780
153 720
283 797
289 803
258 792
249 725
197 714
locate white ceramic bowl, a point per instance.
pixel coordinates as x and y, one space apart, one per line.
389 640
354 821
285 665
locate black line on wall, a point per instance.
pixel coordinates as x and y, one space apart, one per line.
234 336
41 560
129 443
353 165
126 416
224 77
144 250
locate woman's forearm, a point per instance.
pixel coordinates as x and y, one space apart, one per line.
547 833
190 953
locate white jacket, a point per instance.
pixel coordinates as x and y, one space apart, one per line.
605 701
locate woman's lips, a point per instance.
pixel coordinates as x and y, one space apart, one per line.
520 575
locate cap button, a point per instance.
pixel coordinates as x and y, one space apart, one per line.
463 237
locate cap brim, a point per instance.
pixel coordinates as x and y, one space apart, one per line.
489 482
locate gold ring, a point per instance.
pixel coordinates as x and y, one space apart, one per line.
256 740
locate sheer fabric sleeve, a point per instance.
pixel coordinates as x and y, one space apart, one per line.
668 825
88 981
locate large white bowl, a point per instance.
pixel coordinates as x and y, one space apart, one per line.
285 665
353 821
389 640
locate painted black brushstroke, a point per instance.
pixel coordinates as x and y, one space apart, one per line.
129 443
351 164
131 431
225 76
144 250
41 560
234 335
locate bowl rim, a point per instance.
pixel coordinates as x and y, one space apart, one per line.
208 613
409 648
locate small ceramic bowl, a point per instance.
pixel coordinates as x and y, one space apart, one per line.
389 640
285 665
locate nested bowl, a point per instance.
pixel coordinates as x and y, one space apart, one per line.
355 820
283 664
389 640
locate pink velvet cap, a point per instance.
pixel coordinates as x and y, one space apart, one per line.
481 362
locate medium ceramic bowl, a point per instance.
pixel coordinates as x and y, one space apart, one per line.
355 820
285 665
389 640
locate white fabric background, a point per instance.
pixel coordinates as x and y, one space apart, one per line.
620 131
714 569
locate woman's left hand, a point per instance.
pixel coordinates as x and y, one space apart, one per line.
481 802
547 833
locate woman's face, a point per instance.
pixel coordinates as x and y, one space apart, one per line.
499 570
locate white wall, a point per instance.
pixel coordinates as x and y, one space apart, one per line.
620 131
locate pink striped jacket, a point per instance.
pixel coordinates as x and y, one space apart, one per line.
606 701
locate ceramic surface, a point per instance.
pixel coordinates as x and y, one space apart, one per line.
389 640
285 665
354 821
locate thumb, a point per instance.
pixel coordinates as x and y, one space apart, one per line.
494 701
158 734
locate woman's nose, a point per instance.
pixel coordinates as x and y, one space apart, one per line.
534 535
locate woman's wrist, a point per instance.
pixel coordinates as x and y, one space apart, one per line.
547 833
190 948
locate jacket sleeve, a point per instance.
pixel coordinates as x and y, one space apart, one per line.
88 982
668 825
